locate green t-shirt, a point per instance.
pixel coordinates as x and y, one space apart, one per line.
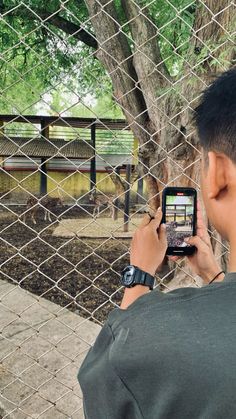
167 356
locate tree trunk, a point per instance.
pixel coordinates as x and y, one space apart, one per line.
158 108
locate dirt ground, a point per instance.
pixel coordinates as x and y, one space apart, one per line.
99 227
80 274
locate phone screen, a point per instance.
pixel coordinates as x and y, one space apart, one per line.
179 218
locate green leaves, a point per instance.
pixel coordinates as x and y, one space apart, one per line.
40 52
36 54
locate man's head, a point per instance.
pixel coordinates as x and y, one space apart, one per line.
215 118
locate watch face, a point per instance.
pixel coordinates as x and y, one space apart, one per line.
128 275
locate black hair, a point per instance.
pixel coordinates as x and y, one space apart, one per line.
215 116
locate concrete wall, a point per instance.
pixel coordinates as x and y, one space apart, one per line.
21 175
73 184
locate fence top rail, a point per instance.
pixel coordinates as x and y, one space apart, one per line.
100 123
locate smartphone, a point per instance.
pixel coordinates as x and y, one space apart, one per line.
179 207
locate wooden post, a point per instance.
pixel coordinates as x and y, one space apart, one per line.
1 128
139 199
44 129
93 179
43 177
43 171
127 197
116 202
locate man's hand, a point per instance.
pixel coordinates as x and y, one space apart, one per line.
203 261
149 244
147 251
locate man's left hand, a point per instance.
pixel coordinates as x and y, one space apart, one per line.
149 244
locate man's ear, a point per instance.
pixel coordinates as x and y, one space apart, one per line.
217 180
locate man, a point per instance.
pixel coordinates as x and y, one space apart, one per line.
173 355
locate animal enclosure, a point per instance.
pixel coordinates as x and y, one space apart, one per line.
96 108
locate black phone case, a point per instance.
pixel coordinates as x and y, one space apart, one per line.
180 251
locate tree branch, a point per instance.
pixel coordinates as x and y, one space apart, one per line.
216 29
70 28
57 21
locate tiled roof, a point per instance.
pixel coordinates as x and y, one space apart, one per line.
39 147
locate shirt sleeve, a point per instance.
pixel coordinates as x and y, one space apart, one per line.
105 395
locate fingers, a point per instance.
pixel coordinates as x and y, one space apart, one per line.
197 242
200 222
158 228
174 258
199 205
162 234
205 237
155 222
145 220
152 222
201 227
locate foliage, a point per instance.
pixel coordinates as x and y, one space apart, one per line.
174 20
38 54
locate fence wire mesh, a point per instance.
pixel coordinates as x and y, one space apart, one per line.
78 173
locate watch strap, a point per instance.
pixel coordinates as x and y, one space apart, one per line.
143 278
139 277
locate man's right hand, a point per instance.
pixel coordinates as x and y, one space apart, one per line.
203 261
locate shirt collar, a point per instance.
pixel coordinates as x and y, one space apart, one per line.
230 276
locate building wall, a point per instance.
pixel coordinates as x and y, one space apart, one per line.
74 184
21 175
19 182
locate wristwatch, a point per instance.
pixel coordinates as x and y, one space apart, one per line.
131 275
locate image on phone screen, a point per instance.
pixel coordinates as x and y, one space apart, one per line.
179 219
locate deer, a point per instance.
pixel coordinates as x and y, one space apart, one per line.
48 203
99 200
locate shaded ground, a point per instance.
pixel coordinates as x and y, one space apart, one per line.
80 274
101 227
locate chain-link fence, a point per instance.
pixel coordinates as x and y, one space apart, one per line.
96 106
